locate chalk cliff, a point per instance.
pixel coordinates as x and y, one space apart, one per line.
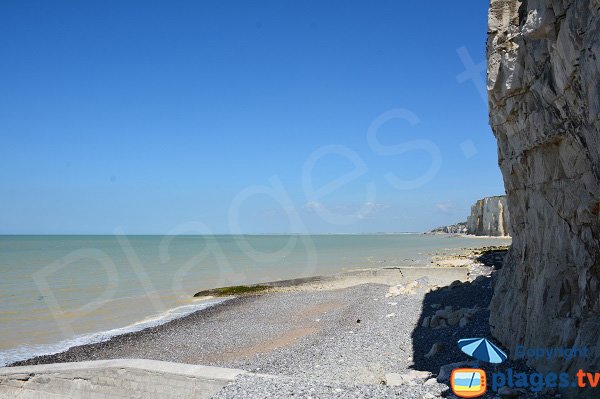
489 217
458 228
544 96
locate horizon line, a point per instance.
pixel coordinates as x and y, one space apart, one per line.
213 234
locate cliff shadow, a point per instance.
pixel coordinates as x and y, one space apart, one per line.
440 323
435 342
459 310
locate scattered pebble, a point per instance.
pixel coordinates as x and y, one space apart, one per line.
435 349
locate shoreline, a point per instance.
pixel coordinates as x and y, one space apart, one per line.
81 299
352 276
337 281
370 339
25 353
439 275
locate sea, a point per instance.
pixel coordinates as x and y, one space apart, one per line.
61 291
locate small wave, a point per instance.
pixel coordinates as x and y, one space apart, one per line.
27 352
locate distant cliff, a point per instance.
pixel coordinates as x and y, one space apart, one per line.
543 74
458 228
489 217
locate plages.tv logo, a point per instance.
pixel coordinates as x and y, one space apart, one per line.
468 383
471 382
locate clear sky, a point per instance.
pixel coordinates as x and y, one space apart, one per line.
254 117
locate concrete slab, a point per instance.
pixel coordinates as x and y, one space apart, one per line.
117 378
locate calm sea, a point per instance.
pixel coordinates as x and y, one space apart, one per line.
60 291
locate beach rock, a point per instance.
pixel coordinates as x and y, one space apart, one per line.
422 281
543 71
480 280
409 288
453 319
448 317
412 377
419 374
455 284
435 349
493 258
430 381
393 291
457 262
446 370
469 312
393 379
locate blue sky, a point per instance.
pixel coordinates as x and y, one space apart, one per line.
147 116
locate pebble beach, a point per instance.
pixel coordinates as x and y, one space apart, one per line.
376 333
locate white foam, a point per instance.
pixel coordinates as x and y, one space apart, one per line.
27 352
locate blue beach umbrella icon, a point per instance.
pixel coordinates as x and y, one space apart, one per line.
482 349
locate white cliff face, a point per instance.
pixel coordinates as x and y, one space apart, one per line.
489 217
544 97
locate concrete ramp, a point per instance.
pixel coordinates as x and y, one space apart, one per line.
118 378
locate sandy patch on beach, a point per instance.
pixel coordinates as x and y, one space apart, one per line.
318 310
285 340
